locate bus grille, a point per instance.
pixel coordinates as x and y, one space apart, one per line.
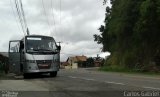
44 64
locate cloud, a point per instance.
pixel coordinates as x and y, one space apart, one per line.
73 25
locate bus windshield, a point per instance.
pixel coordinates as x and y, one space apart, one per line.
40 44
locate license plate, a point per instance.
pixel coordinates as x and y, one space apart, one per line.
44 65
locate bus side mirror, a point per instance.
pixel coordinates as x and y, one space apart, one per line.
59 47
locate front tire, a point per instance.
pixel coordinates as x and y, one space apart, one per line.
53 74
25 75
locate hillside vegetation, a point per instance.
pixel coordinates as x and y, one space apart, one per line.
132 34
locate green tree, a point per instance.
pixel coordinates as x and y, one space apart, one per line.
90 62
131 32
147 31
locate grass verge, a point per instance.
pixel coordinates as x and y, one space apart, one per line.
125 70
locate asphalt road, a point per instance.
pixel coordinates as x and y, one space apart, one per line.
81 83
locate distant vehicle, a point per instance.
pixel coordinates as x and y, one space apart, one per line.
34 54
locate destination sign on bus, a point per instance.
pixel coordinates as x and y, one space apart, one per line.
34 38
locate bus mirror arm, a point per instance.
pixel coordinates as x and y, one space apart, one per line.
59 47
21 45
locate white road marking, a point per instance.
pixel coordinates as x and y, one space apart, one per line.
18 77
114 83
132 76
82 78
152 88
88 79
72 77
110 82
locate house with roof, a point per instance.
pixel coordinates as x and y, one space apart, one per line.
64 65
98 61
77 61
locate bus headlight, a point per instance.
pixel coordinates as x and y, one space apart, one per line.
32 67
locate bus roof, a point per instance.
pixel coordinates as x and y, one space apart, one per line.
37 36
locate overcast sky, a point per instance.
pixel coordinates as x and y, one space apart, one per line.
74 25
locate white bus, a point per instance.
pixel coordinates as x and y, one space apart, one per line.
34 54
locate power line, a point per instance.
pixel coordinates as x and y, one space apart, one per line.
19 15
23 16
46 14
60 7
53 15
15 16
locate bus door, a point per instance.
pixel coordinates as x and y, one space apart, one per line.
14 56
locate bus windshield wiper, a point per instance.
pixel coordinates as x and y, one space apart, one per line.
44 50
41 50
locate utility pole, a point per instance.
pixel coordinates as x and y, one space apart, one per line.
27 31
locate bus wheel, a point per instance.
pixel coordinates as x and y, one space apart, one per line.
25 76
53 74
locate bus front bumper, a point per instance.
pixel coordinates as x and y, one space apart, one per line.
41 71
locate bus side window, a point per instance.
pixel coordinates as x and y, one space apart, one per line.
14 47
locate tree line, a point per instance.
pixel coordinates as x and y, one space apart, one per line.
132 34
